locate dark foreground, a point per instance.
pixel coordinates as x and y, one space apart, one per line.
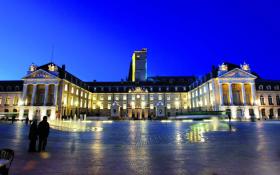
147 147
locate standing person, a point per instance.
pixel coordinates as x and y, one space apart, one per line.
13 118
33 131
27 120
43 132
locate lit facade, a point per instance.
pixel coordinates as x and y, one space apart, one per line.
52 91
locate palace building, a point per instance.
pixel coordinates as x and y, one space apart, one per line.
53 91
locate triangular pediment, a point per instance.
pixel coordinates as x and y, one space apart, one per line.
42 74
237 73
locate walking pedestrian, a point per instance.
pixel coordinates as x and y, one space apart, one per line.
43 132
33 132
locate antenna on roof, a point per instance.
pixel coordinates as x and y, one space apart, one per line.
52 53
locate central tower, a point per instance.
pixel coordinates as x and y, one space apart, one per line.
138 66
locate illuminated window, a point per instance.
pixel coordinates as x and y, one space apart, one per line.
132 97
177 104
143 104
7 102
66 87
205 89
124 106
94 106
15 100
72 101
196 93
72 90
176 88
168 97
93 97
151 106
168 106
77 92
124 97
81 104
116 97
0 100
143 97
85 95
210 88
82 93
101 106
159 97
137 96
109 97
109 106
101 97
65 100
132 104
151 97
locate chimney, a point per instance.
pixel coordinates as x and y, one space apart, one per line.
63 67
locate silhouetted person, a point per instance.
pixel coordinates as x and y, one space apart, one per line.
229 117
33 132
13 118
43 132
27 120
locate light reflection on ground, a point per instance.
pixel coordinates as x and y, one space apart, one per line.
148 147
75 126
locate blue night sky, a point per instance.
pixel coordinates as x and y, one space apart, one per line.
95 39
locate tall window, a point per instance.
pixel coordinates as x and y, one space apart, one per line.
262 100
7 102
270 100
0 100
16 100
278 100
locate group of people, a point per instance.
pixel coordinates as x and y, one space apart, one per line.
42 132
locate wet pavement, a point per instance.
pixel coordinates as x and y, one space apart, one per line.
148 147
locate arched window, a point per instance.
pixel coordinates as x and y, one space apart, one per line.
16 88
260 87
271 113
263 113
276 88
262 100
270 102
278 100
268 87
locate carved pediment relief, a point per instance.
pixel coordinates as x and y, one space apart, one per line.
237 73
40 74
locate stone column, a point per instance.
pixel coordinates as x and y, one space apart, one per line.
33 94
221 94
243 93
253 90
46 94
55 94
230 94
24 92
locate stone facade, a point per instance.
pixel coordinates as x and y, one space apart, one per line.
52 91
